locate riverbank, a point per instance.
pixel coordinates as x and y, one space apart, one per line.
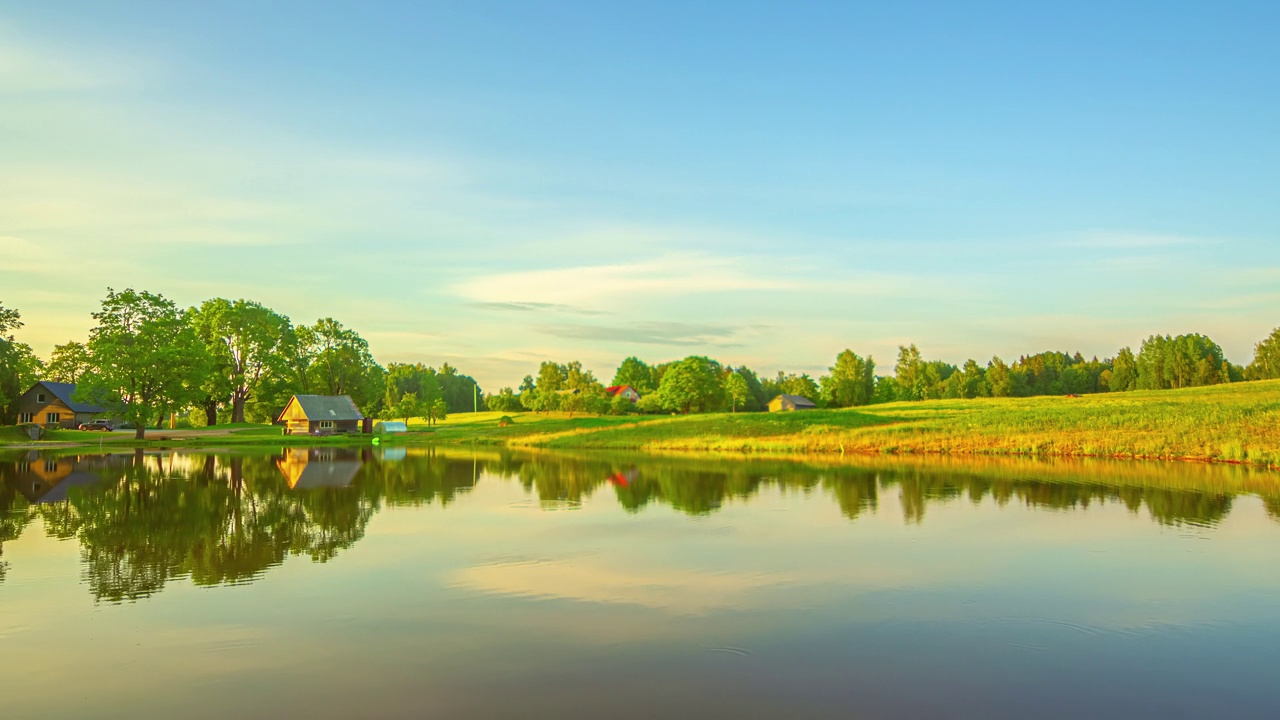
230 435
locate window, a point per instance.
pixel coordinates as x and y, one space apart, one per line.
39 397
52 417
26 418
51 466
326 424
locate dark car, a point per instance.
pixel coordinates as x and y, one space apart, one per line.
98 425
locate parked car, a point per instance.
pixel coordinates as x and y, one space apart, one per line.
98 425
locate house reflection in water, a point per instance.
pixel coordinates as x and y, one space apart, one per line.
319 467
51 479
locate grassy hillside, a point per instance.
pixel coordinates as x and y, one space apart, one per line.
1237 423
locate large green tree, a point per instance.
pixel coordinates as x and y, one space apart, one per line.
330 359
910 373
692 385
245 339
585 392
460 392
68 362
1266 358
146 360
547 390
735 386
19 366
852 381
1124 371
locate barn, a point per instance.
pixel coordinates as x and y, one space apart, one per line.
51 404
784 403
320 415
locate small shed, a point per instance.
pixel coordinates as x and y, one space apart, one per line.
320 415
784 403
50 404
390 426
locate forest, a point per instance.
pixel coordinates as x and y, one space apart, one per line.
227 361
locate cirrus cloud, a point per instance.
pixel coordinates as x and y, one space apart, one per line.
674 274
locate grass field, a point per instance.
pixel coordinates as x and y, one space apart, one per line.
1234 423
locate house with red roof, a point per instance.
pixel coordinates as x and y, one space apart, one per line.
625 391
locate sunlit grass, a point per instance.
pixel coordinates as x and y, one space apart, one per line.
1234 423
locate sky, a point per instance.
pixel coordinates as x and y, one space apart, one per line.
493 184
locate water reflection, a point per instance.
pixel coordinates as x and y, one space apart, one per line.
144 519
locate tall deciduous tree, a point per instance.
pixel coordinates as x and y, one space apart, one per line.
735 386
999 379
244 339
852 381
1124 371
910 373
692 385
335 360
68 362
546 391
1266 358
146 359
19 366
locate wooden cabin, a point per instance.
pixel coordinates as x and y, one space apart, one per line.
50 404
786 403
321 415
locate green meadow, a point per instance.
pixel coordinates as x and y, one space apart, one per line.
1232 423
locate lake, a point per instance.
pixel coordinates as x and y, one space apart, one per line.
394 583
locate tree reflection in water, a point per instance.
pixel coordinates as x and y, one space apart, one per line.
143 519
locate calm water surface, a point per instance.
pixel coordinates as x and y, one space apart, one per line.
340 584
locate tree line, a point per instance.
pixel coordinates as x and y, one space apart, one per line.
701 384
238 361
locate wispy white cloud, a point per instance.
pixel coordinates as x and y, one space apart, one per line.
676 334
670 275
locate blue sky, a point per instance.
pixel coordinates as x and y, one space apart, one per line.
492 184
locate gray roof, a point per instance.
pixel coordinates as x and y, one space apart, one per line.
327 473
329 407
64 391
797 399
59 492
